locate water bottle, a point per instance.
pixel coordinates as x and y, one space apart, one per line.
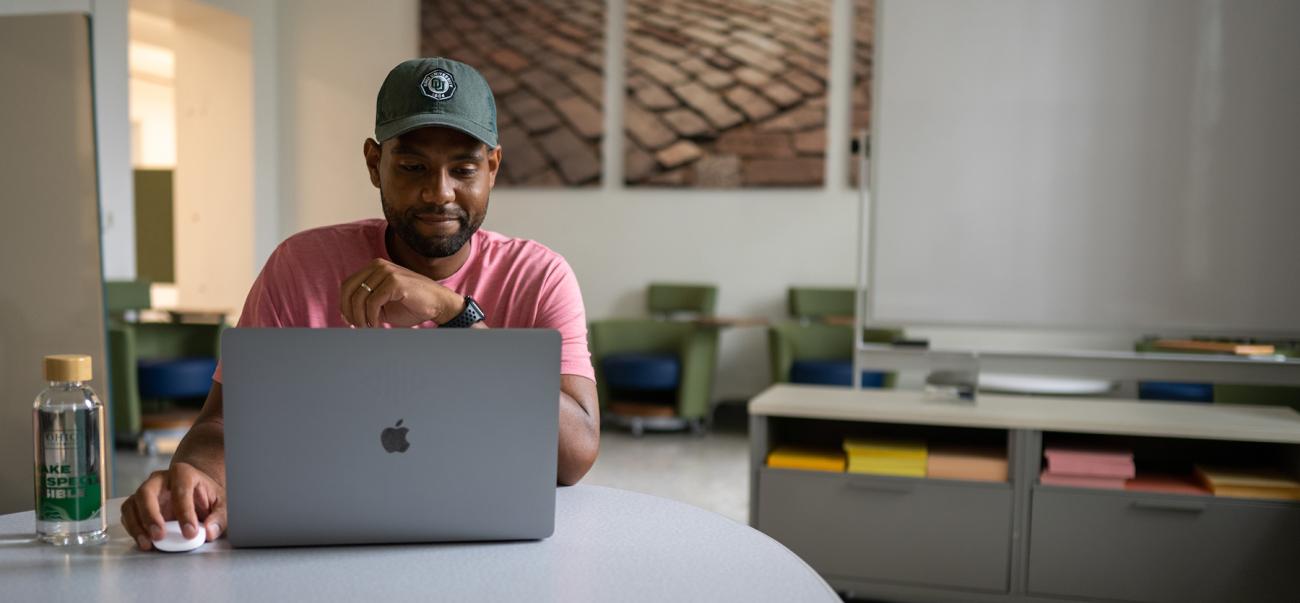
68 420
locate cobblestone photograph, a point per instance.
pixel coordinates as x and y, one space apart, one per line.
726 93
544 60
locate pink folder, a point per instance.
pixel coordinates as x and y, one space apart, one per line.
1098 455
1082 462
1107 483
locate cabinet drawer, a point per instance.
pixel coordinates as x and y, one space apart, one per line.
934 532
1150 547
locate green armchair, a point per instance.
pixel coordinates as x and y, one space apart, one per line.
807 349
820 303
172 356
669 359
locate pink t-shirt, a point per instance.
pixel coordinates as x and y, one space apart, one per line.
518 284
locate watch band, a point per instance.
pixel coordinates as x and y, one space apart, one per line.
467 317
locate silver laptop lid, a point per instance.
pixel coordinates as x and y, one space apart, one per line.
343 436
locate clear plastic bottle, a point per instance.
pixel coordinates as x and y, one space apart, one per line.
68 424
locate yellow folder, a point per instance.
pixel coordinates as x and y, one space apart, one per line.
1251 482
886 448
799 457
886 467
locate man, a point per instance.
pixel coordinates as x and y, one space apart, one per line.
434 159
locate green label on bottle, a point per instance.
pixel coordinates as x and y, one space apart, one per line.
63 496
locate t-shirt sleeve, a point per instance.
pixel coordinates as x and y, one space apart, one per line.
561 308
261 307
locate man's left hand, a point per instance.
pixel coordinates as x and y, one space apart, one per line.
397 296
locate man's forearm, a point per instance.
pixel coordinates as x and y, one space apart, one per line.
579 441
204 448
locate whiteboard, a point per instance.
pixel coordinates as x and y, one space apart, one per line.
1093 164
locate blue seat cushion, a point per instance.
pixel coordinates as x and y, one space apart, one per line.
642 372
175 378
832 372
1176 391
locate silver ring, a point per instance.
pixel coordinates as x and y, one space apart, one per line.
367 288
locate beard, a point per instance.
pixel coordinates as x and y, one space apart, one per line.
404 224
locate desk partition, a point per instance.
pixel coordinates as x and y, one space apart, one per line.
51 288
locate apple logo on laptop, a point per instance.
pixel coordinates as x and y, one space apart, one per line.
394 438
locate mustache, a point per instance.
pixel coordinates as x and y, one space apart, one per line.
452 212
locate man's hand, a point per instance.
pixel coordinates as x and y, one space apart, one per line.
393 294
182 493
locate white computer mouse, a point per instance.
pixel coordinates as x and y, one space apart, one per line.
173 541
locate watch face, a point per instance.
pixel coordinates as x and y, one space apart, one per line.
470 315
472 311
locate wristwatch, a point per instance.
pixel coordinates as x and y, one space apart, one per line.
467 317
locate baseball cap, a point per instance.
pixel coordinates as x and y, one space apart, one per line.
419 93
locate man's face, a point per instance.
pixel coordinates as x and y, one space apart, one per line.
433 184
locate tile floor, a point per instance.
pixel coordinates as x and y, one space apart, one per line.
710 471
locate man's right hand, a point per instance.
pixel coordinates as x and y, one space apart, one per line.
183 493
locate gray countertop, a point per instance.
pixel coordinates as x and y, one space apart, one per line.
609 545
1239 422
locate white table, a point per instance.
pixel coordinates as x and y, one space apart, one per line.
609 545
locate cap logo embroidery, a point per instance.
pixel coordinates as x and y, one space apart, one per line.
438 85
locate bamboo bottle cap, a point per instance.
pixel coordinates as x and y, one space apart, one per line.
67 367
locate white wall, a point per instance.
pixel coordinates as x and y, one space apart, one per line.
263 16
214 157
333 55
153 124
152 68
266 130
752 244
113 138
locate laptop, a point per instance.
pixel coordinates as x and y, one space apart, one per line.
366 436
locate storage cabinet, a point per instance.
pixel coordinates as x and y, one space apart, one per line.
923 539
1130 546
897 529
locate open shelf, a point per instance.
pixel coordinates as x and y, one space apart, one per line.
1179 457
829 435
